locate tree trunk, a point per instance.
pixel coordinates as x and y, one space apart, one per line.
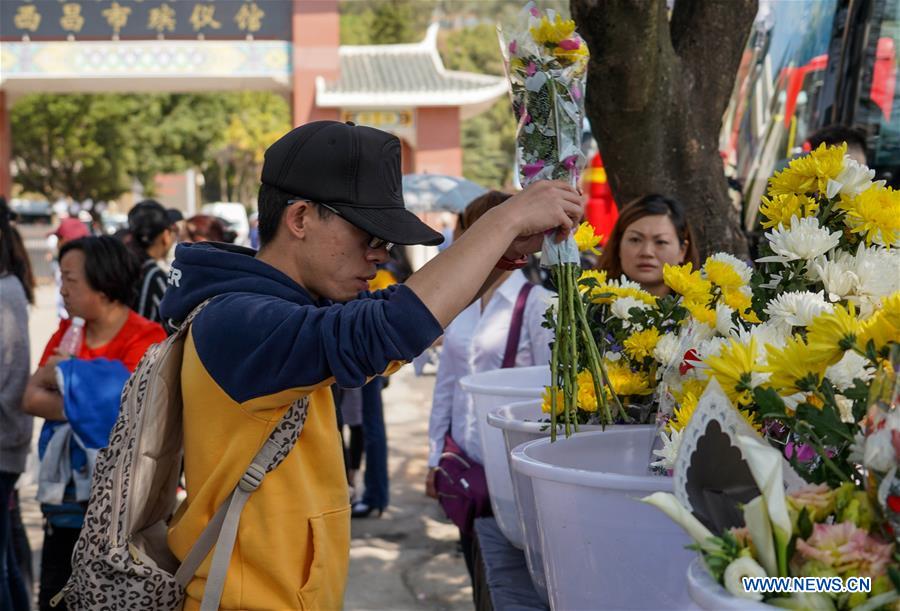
657 90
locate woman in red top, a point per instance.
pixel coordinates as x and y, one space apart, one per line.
99 277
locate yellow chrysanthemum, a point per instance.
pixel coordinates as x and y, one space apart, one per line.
736 299
749 316
733 368
810 172
598 275
701 313
791 182
790 364
607 293
546 401
694 386
722 274
571 56
889 308
586 239
626 382
587 398
687 405
831 334
640 345
552 32
780 209
684 281
874 214
682 413
884 326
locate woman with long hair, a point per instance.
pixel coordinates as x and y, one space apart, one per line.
651 231
16 292
502 329
151 236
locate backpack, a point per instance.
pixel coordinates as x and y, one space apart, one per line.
121 559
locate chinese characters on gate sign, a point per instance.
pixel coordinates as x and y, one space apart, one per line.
146 19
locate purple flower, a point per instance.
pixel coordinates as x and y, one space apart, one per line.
512 47
531 169
569 161
530 69
569 44
802 452
535 12
526 118
576 92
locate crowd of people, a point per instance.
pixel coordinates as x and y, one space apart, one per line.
284 322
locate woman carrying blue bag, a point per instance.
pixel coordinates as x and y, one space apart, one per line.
77 388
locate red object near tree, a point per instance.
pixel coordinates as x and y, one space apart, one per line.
601 210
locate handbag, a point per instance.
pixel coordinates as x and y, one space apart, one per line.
459 481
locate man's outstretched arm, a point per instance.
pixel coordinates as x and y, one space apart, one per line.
453 279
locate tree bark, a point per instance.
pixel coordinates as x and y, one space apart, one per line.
657 90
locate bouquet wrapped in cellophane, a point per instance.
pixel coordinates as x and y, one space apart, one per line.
546 62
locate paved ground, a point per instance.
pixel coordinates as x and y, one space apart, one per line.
406 559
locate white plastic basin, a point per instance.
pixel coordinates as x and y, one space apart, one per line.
603 549
490 390
522 422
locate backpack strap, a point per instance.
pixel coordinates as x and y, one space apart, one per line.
515 327
221 531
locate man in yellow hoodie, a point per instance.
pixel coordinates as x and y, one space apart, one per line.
294 318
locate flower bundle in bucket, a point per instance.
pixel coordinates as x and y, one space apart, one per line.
546 62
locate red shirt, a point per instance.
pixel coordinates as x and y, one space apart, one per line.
128 346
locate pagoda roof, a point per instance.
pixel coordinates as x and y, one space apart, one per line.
404 75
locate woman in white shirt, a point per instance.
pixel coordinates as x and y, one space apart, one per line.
476 341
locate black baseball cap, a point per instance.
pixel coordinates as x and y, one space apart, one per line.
353 169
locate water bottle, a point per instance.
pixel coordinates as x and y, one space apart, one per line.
73 337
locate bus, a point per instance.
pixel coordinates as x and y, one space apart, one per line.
809 64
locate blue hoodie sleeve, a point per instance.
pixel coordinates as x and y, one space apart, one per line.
255 345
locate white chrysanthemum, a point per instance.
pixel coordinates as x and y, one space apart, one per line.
853 179
803 240
724 323
631 284
878 275
743 270
837 273
768 334
863 278
666 352
621 307
711 347
668 454
851 367
797 309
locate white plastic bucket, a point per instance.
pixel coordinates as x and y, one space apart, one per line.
522 422
490 390
603 549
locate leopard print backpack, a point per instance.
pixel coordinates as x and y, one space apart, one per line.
121 560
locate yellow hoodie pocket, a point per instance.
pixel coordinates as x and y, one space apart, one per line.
330 536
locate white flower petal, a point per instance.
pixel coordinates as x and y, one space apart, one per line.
742 567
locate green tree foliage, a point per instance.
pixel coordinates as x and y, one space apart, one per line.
95 145
488 140
378 22
76 145
256 120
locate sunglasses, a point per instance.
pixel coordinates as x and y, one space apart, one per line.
374 243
